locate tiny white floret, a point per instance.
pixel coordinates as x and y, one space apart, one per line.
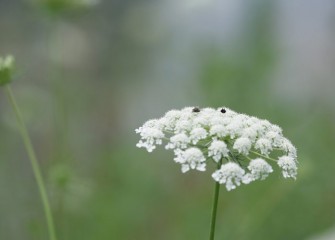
259 169
242 145
192 158
198 134
230 174
180 140
264 146
217 150
288 166
218 131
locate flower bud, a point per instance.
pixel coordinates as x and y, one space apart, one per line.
6 70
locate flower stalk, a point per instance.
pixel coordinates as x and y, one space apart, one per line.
34 163
215 206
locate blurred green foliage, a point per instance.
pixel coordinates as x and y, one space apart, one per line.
60 7
83 105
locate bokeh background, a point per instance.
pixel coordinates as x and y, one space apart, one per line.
89 73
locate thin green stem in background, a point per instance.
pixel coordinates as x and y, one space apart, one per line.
215 205
36 169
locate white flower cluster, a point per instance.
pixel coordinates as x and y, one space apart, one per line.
241 144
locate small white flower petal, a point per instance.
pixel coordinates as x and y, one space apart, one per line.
185 168
288 166
192 158
259 169
219 131
198 134
150 136
230 174
180 140
183 126
264 145
242 145
217 150
250 133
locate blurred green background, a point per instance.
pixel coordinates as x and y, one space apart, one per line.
89 73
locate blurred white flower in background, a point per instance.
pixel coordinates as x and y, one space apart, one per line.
329 234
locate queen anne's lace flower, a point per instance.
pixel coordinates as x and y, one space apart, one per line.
230 174
242 145
150 137
180 140
250 133
235 128
191 158
198 136
274 137
218 150
264 145
289 166
259 169
218 131
288 147
183 125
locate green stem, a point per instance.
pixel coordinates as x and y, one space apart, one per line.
36 169
215 205
261 155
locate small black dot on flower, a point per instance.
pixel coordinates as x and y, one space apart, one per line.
196 109
223 110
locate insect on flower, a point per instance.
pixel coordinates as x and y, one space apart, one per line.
196 109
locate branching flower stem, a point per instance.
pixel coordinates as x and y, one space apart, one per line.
34 163
215 205
261 155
